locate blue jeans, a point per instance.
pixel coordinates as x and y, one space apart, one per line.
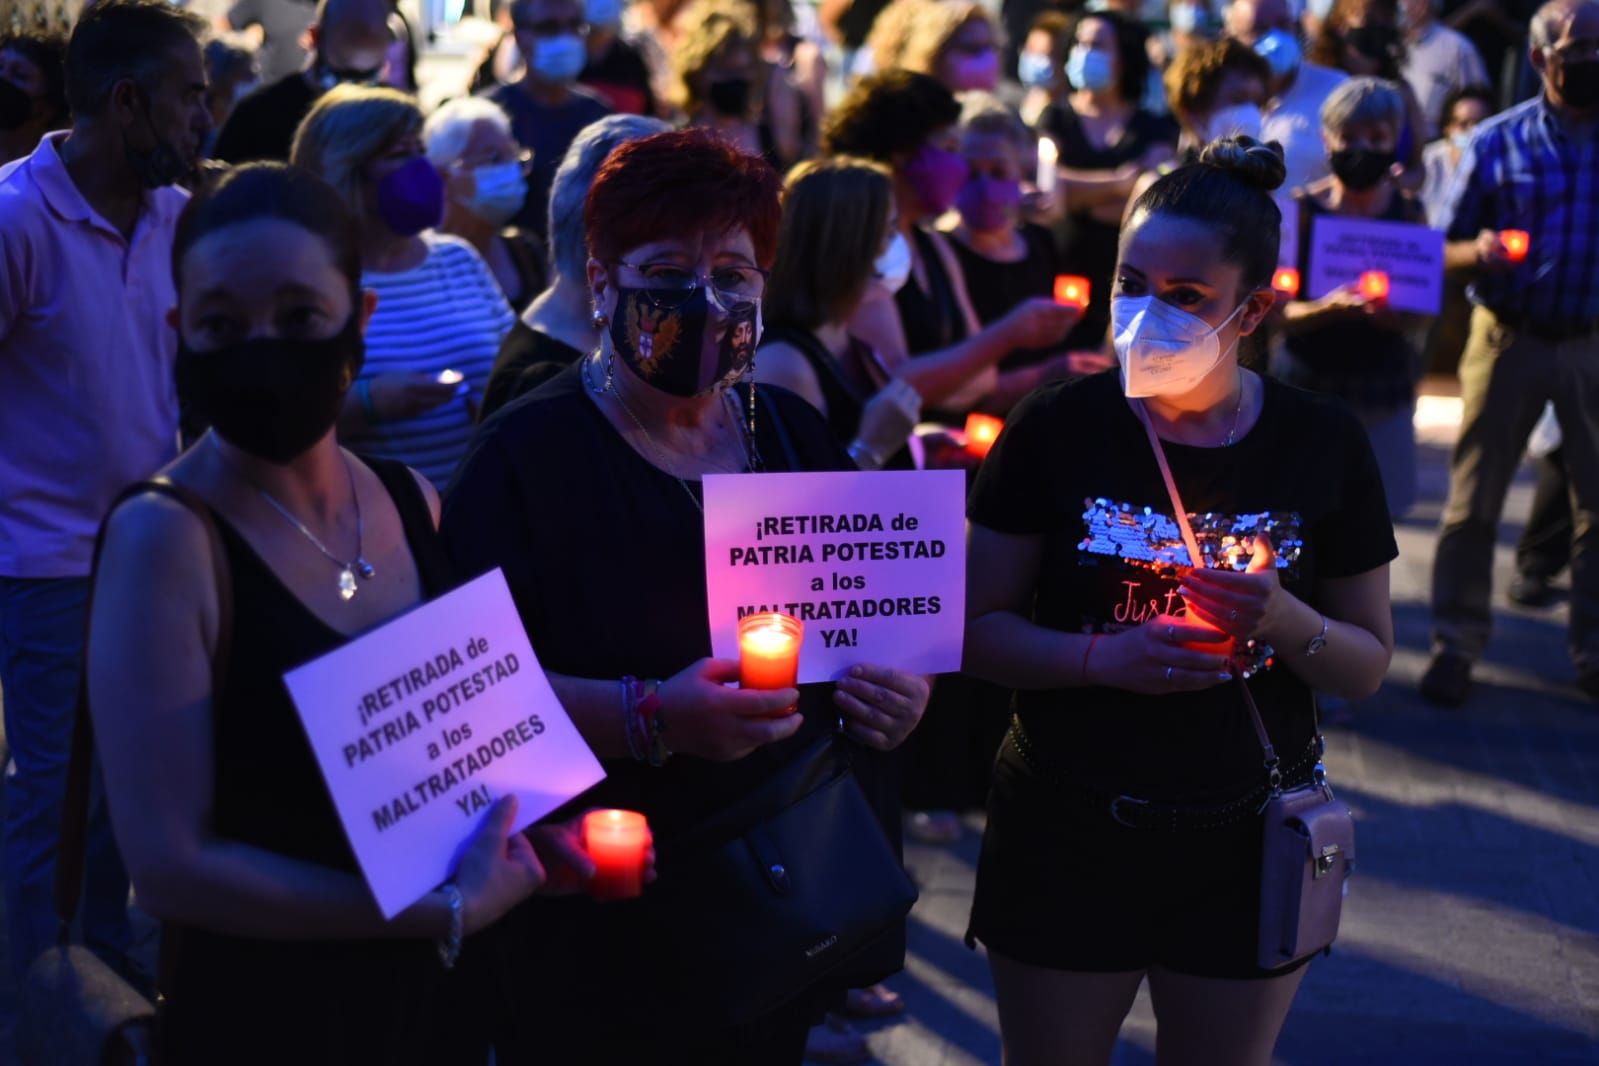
42 632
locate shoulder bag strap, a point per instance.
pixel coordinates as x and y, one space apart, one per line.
80 760
1191 542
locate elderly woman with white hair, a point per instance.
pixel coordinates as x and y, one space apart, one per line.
558 327
440 315
1343 342
485 184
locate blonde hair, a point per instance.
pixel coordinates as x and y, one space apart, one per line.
834 214
710 27
350 126
913 34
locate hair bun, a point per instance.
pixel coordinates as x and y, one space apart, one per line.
1255 164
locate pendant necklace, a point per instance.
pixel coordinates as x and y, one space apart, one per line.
348 571
1239 410
660 458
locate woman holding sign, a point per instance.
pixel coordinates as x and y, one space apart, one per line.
587 493
1348 342
1124 838
273 950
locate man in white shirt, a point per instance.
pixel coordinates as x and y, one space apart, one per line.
1292 117
1438 61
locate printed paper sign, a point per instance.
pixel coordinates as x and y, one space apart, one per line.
873 564
1411 254
421 724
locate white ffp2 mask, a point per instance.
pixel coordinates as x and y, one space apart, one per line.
1164 350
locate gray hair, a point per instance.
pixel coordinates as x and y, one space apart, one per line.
569 253
1550 18
1363 100
987 114
447 130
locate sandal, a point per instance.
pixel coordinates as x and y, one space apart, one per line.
878 1001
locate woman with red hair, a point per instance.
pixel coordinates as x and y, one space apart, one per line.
587 493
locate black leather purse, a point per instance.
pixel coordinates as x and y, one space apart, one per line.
790 886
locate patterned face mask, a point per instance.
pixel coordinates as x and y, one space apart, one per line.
684 344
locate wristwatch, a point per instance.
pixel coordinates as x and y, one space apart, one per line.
1319 641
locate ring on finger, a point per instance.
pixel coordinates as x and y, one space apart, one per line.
1169 672
1171 634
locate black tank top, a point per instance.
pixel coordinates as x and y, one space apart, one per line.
245 1000
846 385
932 320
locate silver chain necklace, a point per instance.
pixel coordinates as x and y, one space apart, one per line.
348 571
1232 434
660 457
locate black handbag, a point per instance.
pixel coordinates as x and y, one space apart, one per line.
75 1009
789 886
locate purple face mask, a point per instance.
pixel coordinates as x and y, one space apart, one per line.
989 203
979 71
411 198
935 176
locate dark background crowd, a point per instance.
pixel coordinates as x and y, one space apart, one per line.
906 180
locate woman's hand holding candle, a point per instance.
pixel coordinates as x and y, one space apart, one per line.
1168 653
1248 605
703 717
882 705
499 869
559 846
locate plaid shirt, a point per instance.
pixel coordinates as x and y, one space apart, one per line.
1526 169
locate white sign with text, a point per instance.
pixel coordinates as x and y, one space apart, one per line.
423 723
1411 254
873 564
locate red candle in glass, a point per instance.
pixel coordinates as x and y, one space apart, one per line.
1072 291
617 842
768 651
1374 285
981 433
1286 281
1517 243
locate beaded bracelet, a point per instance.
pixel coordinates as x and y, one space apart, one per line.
649 710
630 719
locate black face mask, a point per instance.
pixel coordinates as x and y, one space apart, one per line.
15 105
268 396
1579 84
685 350
1379 43
730 97
1361 168
160 164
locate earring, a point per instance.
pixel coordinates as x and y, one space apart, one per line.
599 319
755 460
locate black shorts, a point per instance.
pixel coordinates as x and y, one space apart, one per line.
1062 885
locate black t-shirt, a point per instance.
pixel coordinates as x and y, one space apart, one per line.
262 125
995 287
621 78
527 359
1075 467
605 557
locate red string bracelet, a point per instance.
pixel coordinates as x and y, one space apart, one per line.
1086 653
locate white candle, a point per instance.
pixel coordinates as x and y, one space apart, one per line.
1048 156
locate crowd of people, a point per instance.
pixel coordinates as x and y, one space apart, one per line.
372 350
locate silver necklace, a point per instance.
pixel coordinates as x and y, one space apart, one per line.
660 457
1232 434
348 571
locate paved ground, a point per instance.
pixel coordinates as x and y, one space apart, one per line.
1472 933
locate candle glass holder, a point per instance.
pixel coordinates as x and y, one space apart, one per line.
981 433
768 652
618 842
1072 291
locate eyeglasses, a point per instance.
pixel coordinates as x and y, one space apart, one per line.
1577 51
669 286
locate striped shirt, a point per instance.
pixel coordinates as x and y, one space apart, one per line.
445 314
1529 169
